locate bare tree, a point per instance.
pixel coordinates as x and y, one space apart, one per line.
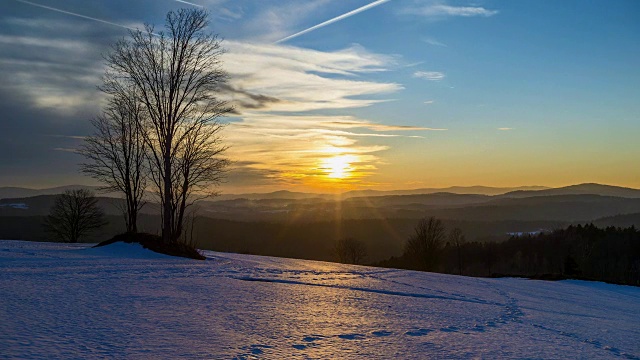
73 215
116 153
176 74
457 239
425 245
350 251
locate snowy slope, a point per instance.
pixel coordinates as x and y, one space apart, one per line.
68 301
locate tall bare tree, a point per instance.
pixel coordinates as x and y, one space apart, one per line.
177 74
425 245
73 215
116 153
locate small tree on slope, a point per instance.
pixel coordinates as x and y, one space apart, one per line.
425 245
350 251
73 215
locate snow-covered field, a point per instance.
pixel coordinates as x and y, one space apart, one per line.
70 301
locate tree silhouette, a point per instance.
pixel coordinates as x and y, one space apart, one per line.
116 154
175 76
350 251
73 215
425 245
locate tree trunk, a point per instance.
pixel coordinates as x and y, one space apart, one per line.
132 226
167 211
182 207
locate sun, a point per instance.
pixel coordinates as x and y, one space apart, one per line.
338 167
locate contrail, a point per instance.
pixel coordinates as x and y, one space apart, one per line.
74 14
189 3
335 19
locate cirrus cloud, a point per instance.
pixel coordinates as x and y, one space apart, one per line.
438 10
303 79
429 75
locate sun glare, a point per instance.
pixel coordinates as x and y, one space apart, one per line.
339 167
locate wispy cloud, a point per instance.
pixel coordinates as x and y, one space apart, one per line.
281 86
447 10
220 9
75 14
304 79
350 123
439 9
189 3
429 75
413 64
429 102
434 42
335 19
506 129
75 137
244 100
276 20
54 72
66 44
66 150
276 86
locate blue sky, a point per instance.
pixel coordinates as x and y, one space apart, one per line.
406 94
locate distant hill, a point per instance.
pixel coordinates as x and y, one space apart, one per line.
475 190
567 208
41 204
507 192
623 221
292 195
20 192
581 189
586 202
282 194
443 199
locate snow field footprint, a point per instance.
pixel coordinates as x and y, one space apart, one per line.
351 336
252 351
449 329
381 333
418 332
316 340
595 343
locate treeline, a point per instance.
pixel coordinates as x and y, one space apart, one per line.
294 239
586 252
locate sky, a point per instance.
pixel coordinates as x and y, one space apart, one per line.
334 95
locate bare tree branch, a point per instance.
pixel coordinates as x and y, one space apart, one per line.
116 154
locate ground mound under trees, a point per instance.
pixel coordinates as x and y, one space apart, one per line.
154 243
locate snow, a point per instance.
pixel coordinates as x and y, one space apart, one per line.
123 250
20 206
122 301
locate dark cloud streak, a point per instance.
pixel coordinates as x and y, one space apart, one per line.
244 100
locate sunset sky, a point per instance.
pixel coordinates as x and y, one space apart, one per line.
334 95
